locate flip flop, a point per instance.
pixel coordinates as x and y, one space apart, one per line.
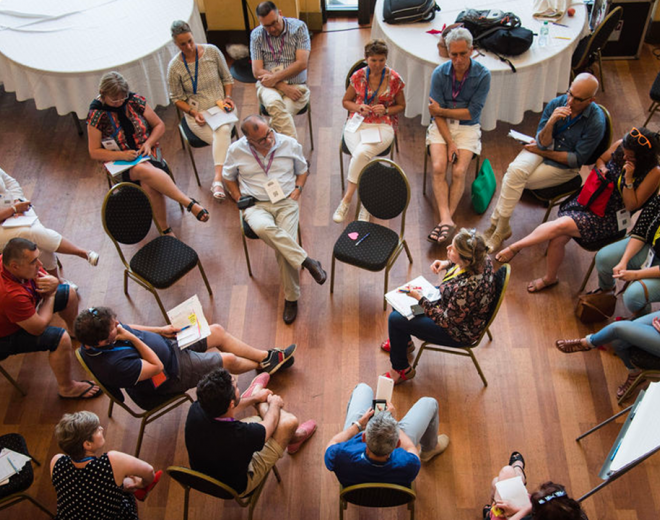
539 285
442 233
82 394
218 194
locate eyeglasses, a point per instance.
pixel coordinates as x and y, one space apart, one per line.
641 138
579 100
265 138
271 24
120 100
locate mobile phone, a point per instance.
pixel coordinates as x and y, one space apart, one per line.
417 310
379 405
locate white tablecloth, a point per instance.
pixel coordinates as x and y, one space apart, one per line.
55 52
542 72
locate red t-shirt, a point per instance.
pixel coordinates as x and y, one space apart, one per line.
18 301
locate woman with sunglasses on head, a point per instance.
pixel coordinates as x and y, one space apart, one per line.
199 79
120 127
457 318
87 486
631 166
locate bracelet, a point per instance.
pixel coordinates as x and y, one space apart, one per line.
359 426
299 187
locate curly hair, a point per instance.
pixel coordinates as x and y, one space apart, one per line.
551 502
215 392
471 247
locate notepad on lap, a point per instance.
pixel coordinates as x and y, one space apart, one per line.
370 136
26 219
116 167
216 117
513 491
189 315
403 303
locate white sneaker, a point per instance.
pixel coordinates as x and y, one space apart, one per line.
364 215
93 258
443 442
340 212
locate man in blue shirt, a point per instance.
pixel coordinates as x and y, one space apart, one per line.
458 92
571 127
378 449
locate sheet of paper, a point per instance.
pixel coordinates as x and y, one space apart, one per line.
216 117
520 137
370 136
513 491
116 167
354 122
26 219
11 463
189 315
403 303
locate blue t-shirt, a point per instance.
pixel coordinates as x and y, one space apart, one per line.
472 94
580 138
350 463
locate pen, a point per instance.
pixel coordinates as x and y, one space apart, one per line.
559 24
359 241
561 37
12 464
185 328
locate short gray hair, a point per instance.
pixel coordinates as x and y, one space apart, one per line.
179 27
73 430
382 434
457 35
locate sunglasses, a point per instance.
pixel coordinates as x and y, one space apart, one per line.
641 138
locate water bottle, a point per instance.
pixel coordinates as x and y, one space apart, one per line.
543 34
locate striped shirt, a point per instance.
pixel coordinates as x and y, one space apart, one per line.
281 50
213 73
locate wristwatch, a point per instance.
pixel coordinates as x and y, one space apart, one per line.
387 111
299 187
359 426
629 185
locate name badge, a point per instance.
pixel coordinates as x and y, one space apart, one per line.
274 191
277 69
110 144
623 219
650 256
194 104
354 122
453 122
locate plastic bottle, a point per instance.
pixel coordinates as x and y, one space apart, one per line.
543 34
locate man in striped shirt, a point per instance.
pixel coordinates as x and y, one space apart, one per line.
279 49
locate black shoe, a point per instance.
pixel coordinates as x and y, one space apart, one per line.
290 312
277 358
315 269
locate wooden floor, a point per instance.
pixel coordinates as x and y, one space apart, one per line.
537 401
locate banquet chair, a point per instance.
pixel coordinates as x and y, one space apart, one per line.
594 248
190 479
589 49
375 494
654 94
501 283
127 217
384 191
8 377
555 195
650 366
248 232
426 160
307 109
15 490
150 410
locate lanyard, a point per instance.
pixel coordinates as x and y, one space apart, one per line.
192 80
456 89
29 285
270 161
620 179
656 236
277 55
567 124
84 459
452 273
113 349
368 101
224 419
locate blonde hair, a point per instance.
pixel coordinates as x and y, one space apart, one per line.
470 245
113 84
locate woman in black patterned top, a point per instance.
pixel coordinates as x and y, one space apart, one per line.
467 292
635 259
102 488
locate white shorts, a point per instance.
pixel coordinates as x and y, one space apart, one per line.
466 137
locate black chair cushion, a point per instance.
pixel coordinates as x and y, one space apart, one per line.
264 112
248 231
568 187
655 89
373 252
644 360
192 139
23 479
383 190
163 261
377 497
128 215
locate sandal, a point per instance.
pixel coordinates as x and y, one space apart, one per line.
568 346
539 285
505 258
620 392
404 375
385 345
202 215
441 233
218 191
168 232
516 456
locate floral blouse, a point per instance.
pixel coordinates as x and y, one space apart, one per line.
465 303
394 85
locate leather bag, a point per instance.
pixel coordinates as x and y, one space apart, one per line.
592 308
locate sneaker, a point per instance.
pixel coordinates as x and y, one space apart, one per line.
304 432
277 358
261 380
340 212
93 258
443 442
494 243
364 215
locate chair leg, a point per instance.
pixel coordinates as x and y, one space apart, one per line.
160 305
476 364
652 109
112 403
186 502
39 505
419 354
476 172
600 70
396 143
586 276
277 474
547 214
299 235
125 282
426 162
194 165
309 120
247 255
342 506
332 276
206 280
143 425
490 336
341 168
405 246
12 381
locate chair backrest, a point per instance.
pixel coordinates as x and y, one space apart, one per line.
359 64
189 478
606 141
501 283
112 392
376 494
127 213
383 189
599 37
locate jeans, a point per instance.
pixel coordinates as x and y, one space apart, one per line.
400 330
622 335
421 423
634 297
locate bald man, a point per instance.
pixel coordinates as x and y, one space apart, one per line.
571 127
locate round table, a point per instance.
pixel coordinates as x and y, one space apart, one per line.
56 52
542 72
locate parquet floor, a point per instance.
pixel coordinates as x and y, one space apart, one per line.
537 401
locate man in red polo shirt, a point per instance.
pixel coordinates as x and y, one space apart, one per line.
30 298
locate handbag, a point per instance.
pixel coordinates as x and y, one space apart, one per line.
483 187
409 11
591 308
596 192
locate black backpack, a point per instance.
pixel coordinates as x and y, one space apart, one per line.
409 11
